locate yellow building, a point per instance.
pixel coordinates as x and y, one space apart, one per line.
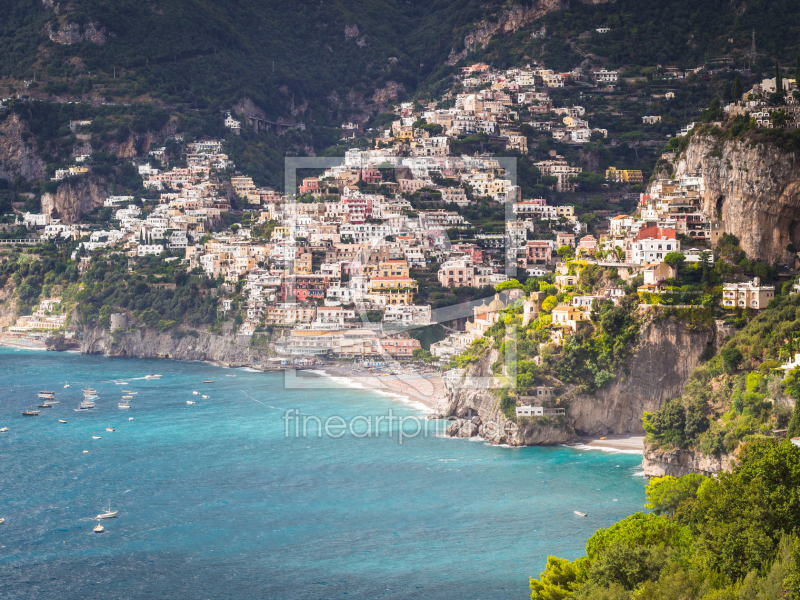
624 175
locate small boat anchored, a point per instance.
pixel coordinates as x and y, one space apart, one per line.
204 397
3 429
45 395
126 402
30 413
110 429
152 376
66 385
61 421
99 529
96 437
190 402
195 393
108 514
210 381
580 514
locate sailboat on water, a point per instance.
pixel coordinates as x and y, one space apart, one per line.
108 514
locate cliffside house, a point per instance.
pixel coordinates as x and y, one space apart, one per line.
747 294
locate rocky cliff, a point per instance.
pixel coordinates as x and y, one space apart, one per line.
667 352
224 350
17 158
75 197
475 411
754 188
509 21
677 463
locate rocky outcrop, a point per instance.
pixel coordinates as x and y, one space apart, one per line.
667 352
72 33
137 343
475 411
75 197
677 463
508 21
754 188
17 158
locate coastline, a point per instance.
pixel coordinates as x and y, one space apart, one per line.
628 444
415 388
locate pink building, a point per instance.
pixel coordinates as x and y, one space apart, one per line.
538 251
310 185
370 175
588 244
471 250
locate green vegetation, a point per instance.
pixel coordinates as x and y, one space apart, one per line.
732 537
160 295
737 395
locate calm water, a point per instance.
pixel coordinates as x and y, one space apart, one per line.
215 501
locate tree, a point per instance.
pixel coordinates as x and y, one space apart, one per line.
664 494
737 88
549 304
778 80
797 69
732 358
510 284
565 252
675 259
559 578
727 93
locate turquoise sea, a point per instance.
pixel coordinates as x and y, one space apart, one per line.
215 501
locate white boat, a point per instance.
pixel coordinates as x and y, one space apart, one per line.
126 402
230 375
580 514
2 521
61 421
152 376
99 529
45 395
86 452
121 383
130 419
3 429
108 514
204 397
110 429
66 385
190 402
196 393
96 437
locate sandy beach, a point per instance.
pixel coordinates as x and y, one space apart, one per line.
423 388
623 443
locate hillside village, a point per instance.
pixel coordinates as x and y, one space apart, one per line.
361 258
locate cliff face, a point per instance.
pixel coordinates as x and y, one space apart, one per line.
754 189
17 158
226 351
476 412
509 21
74 198
666 354
677 463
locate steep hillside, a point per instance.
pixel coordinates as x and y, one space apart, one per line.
754 187
310 60
666 353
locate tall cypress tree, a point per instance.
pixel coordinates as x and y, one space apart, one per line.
737 88
726 92
797 70
778 79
